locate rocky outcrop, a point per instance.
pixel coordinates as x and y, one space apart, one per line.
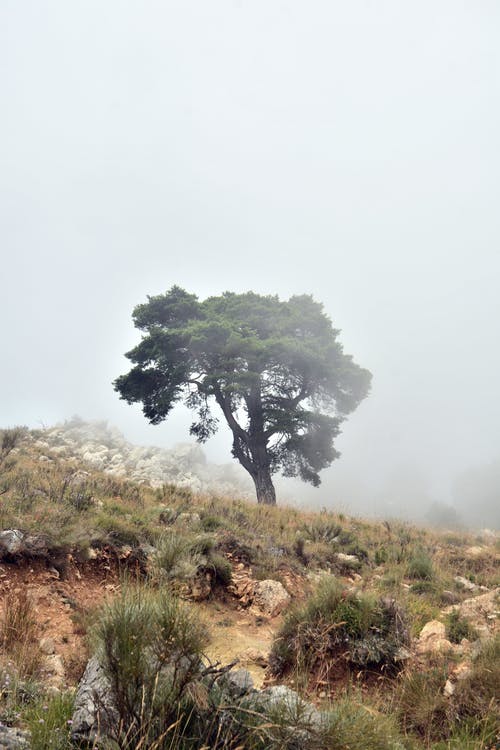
105 449
94 713
95 717
481 612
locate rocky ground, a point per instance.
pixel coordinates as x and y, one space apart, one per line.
104 448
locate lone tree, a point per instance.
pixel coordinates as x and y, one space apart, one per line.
275 369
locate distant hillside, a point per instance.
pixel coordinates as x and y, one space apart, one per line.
105 448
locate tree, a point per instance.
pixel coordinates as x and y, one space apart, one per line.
274 368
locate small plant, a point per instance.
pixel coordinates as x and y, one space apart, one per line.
420 565
49 722
458 627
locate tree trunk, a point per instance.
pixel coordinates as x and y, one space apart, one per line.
264 487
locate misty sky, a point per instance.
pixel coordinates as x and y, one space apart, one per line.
344 149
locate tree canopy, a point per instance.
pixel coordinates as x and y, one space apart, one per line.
274 368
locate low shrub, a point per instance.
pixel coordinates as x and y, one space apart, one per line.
420 565
335 626
150 646
458 627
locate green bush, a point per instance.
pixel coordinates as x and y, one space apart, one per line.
335 626
420 565
150 646
458 627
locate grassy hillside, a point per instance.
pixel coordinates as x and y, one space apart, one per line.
391 629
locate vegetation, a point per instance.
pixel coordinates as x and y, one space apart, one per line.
342 644
337 626
275 370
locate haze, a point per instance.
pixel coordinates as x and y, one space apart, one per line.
345 149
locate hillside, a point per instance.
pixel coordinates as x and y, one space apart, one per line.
377 635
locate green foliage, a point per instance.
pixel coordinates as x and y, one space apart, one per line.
420 565
469 718
49 722
150 646
275 363
458 627
338 626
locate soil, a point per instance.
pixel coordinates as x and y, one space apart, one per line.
64 608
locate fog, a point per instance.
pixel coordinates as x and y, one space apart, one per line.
349 150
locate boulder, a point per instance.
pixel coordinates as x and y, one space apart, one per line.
432 639
94 713
270 597
464 583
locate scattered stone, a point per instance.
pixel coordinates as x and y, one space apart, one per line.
13 739
464 583
11 542
482 612
47 646
341 557
271 597
432 639
254 656
94 713
237 683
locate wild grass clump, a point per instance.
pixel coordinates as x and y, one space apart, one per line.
18 633
471 715
458 627
420 565
49 722
339 626
150 646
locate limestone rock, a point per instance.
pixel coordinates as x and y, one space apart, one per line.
47 646
13 739
464 583
11 542
271 597
482 612
94 713
432 639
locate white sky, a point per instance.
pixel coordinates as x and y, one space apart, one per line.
344 149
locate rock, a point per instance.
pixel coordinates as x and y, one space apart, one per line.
237 683
432 639
449 689
254 656
271 597
94 713
347 559
476 551
47 646
13 739
54 666
11 542
481 611
464 583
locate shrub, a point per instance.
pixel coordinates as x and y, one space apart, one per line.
150 646
420 565
335 626
458 627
